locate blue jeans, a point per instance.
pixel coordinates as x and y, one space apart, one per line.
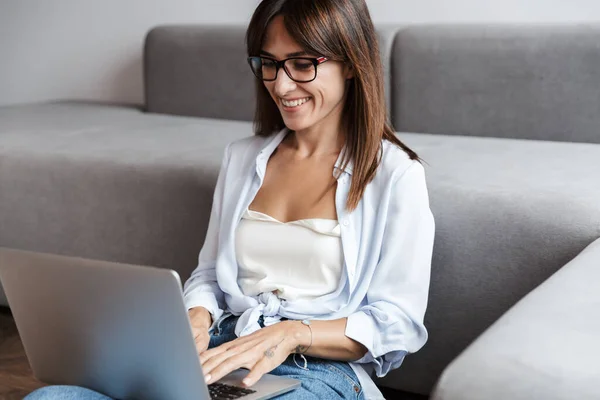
324 379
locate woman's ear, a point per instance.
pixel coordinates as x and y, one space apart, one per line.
348 71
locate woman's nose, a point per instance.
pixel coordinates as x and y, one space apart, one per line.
283 83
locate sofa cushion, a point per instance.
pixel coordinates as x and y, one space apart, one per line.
545 347
528 82
198 71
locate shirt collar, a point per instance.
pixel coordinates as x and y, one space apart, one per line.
273 141
349 166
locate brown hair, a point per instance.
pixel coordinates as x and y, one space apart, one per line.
340 30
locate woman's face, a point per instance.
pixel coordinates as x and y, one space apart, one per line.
315 105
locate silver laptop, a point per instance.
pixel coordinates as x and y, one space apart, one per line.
119 329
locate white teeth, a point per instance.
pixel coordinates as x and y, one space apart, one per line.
295 103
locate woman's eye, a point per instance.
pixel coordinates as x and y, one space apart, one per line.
300 65
268 64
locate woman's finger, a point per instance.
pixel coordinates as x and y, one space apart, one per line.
210 353
271 359
215 360
246 359
201 339
206 355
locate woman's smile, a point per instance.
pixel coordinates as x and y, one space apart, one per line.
294 105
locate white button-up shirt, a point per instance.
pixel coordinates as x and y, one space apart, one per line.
387 244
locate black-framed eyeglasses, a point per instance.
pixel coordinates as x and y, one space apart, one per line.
299 69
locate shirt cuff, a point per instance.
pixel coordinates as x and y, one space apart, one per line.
206 300
361 327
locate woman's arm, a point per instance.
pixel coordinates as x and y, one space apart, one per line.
202 289
391 325
324 339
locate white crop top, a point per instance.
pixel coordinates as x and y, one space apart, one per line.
295 260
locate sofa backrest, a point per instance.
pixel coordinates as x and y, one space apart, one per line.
198 71
529 82
202 71
508 81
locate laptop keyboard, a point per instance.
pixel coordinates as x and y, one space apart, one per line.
219 391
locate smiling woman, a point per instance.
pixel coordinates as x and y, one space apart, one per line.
317 257
349 91
327 251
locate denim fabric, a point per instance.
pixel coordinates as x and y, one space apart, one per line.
59 392
324 379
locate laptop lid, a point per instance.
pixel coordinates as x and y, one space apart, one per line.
119 329
122 330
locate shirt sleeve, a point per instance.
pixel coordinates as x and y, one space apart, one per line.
202 289
390 324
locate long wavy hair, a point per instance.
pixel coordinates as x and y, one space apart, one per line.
340 30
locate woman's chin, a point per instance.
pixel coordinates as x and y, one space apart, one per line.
295 125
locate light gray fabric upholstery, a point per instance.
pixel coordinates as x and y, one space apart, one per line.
198 71
545 347
117 184
109 183
386 35
529 82
202 71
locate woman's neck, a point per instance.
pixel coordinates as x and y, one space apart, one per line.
323 139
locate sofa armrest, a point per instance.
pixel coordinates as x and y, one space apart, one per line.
545 347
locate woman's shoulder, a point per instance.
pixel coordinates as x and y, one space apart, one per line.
242 153
244 145
395 162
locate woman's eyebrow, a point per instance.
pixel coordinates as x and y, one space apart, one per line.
295 54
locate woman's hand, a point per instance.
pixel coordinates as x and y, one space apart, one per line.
201 321
260 352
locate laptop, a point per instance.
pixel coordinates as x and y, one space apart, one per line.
122 330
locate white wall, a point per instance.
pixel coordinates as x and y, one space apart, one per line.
64 49
424 11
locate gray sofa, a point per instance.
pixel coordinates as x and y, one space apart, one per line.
507 119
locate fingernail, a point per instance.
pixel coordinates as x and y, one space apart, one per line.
246 381
207 378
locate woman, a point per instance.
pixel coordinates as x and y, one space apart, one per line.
317 258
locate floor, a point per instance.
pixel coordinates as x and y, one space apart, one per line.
16 379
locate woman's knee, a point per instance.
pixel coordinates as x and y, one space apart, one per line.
64 392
